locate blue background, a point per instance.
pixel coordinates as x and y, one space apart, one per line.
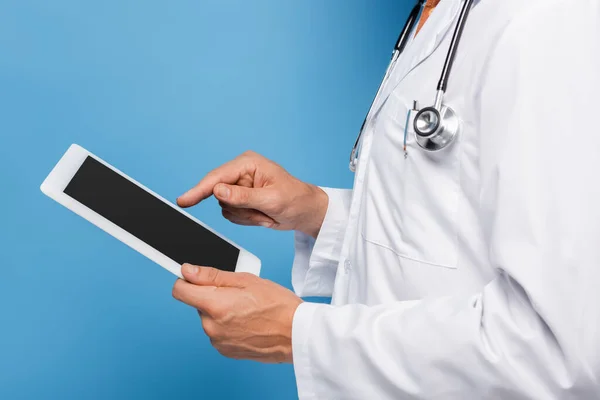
165 91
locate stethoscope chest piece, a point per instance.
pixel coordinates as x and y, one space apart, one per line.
436 130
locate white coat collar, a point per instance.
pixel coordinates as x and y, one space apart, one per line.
439 24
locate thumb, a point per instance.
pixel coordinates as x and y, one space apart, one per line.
207 276
240 196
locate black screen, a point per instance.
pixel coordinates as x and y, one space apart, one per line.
148 218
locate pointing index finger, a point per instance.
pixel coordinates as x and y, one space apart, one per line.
229 173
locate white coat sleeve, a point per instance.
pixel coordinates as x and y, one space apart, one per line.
315 261
534 331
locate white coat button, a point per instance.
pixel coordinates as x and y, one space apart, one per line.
347 266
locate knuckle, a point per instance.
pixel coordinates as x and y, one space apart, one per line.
274 201
231 216
210 328
217 314
240 196
255 219
277 205
225 350
215 343
246 276
177 289
208 274
213 274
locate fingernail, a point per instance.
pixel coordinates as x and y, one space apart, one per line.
223 191
265 224
190 269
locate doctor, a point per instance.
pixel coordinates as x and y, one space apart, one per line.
469 272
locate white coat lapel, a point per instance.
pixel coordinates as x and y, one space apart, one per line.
439 24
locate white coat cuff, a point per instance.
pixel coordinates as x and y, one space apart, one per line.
301 328
315 261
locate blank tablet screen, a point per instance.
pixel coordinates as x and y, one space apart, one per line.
149 219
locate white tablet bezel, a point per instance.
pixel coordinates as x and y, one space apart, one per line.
60 176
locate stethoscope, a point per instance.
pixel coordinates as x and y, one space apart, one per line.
436 126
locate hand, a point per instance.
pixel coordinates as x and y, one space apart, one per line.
253 190
246 317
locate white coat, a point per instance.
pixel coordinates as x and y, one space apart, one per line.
472 273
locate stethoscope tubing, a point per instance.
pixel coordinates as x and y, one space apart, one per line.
399 47
429 136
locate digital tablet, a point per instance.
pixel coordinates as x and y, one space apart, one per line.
140 218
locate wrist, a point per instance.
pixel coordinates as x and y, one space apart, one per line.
312 221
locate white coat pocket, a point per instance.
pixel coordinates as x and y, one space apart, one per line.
410 201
